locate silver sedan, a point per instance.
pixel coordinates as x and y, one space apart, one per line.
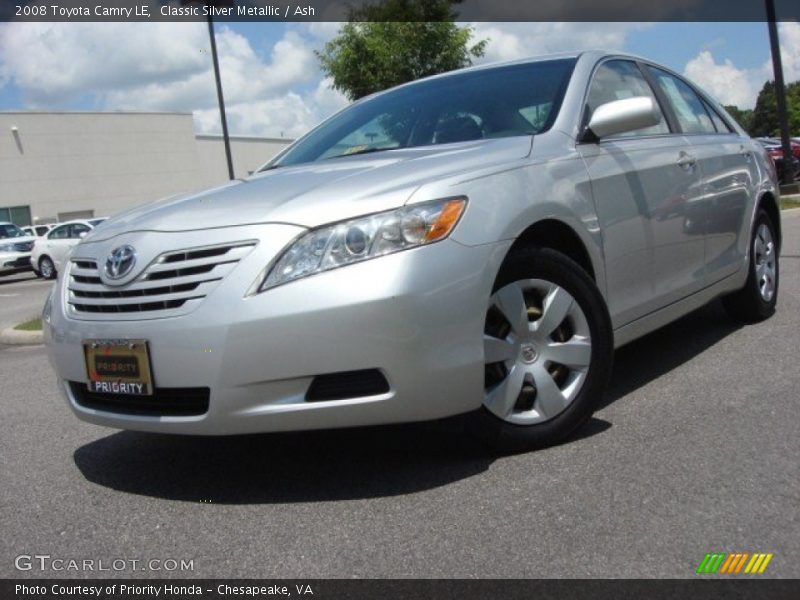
477 242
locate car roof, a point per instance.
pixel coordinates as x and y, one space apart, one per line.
73 221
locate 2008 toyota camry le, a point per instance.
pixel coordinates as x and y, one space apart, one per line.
474 243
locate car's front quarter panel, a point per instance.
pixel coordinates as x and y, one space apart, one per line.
552 184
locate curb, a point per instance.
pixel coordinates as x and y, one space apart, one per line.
15 337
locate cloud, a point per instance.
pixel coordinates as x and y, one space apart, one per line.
167 67
245 76
733 85
54 63
290 115
789 35
510 41
285 116
727 83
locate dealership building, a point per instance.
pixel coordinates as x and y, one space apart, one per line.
56 166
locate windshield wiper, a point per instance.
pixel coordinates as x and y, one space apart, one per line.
364 151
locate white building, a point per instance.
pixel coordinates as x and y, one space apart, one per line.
56 166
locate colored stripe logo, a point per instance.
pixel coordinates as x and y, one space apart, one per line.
734 563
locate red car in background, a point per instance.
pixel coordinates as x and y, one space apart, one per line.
774 149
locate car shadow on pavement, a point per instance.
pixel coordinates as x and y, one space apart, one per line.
664 350
284 467
368 462
22 277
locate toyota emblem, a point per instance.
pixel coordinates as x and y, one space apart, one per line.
120 262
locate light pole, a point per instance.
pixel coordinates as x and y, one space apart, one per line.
780 93
220 96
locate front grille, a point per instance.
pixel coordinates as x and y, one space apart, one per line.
347 384
173 280
165 402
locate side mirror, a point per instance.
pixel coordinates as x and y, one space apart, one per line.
82 234
621 116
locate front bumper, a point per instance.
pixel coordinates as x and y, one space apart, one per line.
417 316
14 261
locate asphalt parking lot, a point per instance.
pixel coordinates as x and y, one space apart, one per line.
22 296
696 449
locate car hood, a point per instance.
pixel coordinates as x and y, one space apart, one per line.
312 194
17 240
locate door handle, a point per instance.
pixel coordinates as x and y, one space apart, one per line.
746 153
686 162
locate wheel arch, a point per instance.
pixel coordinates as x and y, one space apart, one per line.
770 204
557 235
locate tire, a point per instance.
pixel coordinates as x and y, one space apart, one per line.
756 301
555 294
47 270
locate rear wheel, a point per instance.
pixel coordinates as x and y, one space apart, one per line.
46 268
757 299
548 350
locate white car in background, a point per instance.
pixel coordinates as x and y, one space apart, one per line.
38 230
52 250
15 248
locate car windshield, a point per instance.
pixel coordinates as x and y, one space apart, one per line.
8 230
96 222
515 100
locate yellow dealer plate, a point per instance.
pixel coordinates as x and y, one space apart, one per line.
118 367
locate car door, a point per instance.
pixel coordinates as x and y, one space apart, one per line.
62 240
728 171
76 233
648 198
54 244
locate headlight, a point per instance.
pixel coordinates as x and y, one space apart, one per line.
6 247
356 240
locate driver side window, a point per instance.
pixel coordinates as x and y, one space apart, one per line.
618 80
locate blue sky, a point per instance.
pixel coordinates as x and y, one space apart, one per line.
675 44
272 81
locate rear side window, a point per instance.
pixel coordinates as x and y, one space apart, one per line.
719 123
686 105
618 80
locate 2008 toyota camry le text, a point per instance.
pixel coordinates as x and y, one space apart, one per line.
473 243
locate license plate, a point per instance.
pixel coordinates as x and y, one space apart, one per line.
118 367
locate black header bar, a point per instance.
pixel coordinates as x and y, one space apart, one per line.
338 10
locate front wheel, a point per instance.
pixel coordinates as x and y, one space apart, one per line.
548 351
46 268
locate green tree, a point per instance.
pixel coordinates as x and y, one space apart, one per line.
396 41
742 116
765 115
